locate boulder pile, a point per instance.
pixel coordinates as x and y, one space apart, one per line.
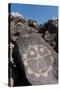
26 38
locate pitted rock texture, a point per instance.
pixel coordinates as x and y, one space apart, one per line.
32 60
34 50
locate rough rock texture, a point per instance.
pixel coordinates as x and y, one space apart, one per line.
49 31
32 61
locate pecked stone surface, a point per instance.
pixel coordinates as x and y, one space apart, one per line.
39 59
33 60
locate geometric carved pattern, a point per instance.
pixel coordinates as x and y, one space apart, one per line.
38 60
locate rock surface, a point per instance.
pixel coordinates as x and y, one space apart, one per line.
33 58
49 31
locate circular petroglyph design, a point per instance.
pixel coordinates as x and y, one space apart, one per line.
32 53
38 60
42 50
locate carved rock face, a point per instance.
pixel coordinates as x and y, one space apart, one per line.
38 58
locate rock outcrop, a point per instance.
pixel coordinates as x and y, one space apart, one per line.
49 31
33 58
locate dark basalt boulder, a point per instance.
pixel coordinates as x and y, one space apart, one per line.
46 58
33 24
49 31
32 61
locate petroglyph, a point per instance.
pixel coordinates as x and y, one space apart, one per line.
39 60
